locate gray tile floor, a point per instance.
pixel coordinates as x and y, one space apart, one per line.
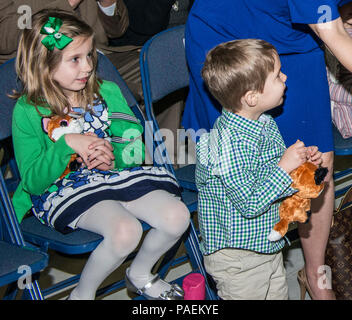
293 261
61 267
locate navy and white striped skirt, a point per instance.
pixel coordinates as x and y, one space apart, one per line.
68 198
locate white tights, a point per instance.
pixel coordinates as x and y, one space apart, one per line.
118 223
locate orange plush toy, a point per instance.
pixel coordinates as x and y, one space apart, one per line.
55 127
308 180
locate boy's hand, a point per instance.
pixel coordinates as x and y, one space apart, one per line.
314 155
293 157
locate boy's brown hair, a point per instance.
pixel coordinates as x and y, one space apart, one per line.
233 68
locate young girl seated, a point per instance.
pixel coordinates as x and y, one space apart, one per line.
340 83
107 195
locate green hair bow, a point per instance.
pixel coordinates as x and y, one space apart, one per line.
54 38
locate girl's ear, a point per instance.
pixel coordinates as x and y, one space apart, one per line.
45 122
251 98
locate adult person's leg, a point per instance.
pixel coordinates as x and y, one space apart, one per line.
305 111
127 63
314 234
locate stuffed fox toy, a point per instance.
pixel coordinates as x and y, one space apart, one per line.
308 180
55 127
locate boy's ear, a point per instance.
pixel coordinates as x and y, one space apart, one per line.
251 98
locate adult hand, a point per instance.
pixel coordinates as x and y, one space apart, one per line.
336 39
106 3
74 3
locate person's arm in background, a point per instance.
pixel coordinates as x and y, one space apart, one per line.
115 24
337 40
9 30
11 11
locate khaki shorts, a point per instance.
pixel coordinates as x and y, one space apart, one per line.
247 275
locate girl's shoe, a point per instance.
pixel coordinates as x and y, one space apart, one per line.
175 293
303 283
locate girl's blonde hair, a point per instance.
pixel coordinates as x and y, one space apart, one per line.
233 68
35 64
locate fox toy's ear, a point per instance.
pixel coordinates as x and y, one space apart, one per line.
45 122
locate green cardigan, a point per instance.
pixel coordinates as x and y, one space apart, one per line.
41 161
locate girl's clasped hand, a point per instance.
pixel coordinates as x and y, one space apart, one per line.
93 152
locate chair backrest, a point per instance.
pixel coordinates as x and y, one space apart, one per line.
164 70
163 63
342 147
8 82
107 71
9 228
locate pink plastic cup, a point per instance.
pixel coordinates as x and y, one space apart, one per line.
194 287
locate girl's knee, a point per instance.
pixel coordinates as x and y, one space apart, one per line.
126 236
176 218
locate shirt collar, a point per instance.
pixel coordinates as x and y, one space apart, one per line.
248 126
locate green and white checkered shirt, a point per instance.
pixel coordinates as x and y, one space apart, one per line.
240 184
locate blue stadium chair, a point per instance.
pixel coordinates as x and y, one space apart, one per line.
14 252
164 71
82 241
342 147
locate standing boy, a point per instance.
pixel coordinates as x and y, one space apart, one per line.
243 171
